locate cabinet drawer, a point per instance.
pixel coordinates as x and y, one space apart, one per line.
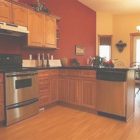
89 73
46 73
44 92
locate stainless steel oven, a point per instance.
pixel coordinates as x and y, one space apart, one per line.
21 95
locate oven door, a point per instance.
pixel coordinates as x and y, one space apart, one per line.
21 111
20 86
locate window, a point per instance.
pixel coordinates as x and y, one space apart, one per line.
136 49
104 51
105 46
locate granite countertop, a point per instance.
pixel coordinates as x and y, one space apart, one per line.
67 67
83 68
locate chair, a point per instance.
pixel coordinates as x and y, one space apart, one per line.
137 80
137 85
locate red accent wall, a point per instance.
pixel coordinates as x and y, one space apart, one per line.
77 27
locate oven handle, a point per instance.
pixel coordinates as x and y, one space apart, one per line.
20 75
17 105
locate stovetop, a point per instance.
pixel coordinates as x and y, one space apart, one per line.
12 63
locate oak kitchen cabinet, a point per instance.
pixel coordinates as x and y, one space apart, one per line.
42 30
13 13
89 88
48 87
36 29
50 39
63 89
78 87
1 98
20 15
5 11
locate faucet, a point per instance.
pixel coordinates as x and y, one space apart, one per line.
48 60
43 60
38 60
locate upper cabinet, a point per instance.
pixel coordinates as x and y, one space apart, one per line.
20 15
50 32
5 11
36 29
42 30
42 27
13 13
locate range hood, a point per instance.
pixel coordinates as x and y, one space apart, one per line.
12 29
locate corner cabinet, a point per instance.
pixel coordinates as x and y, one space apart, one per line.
78 87
36 29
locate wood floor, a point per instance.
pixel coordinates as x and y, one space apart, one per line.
61 123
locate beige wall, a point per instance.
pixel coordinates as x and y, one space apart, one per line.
104 26
122 26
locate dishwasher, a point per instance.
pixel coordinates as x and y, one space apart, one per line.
111 92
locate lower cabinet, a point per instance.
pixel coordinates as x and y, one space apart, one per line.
73 91
78 89
54 89
48 87
89 93
69 86
63 88
44 91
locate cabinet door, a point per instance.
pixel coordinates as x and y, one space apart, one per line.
73 91
35 27
5 11
50 32
89 93
54 89
111 97
20 15
44 91
63 89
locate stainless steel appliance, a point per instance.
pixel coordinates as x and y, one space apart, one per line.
21 89
21 95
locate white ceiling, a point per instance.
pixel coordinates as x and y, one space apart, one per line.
113 6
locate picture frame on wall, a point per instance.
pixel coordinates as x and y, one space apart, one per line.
79 50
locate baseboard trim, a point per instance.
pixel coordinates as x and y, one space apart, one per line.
78 107
121 118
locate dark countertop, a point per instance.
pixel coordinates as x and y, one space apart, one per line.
66 67
84 68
